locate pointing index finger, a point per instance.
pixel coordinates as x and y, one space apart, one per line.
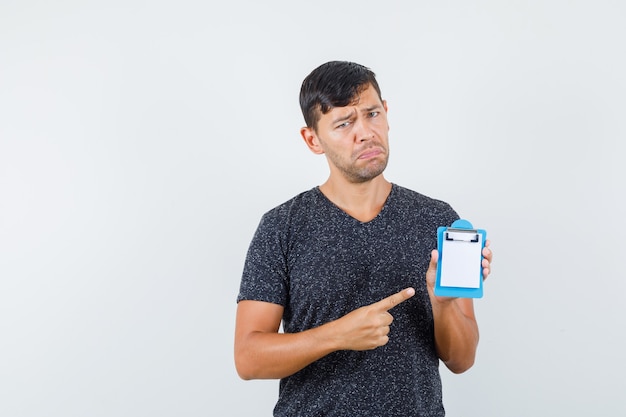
395 299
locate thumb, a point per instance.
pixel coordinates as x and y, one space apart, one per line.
431 273
434 257
395 299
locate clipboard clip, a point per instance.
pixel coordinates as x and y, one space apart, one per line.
462 235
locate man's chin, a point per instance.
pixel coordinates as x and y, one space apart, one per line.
368 173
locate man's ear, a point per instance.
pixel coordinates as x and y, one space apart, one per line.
386 111
311 140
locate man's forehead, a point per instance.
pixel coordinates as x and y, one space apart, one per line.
364 101
367 95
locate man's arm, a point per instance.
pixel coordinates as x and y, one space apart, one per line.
456 330
263 353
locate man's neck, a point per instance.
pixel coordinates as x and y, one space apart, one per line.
363 201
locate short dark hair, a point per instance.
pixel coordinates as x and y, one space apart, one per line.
333 84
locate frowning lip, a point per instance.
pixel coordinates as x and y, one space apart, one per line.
370 153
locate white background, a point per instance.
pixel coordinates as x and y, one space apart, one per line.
140 142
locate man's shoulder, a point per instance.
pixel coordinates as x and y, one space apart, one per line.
295 206
411 206
409 196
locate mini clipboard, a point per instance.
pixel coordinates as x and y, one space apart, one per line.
459 268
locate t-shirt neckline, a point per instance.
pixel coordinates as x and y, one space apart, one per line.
345 214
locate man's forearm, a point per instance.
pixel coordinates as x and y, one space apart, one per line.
278 355
456 335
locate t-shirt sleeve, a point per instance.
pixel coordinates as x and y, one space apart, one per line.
450 215
265 275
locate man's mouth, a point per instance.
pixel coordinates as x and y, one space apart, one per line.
370 153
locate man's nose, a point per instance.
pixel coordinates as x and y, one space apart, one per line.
362 131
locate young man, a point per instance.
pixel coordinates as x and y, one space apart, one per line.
349 269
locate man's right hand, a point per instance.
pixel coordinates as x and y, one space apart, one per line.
367 327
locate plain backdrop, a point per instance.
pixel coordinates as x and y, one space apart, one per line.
141 141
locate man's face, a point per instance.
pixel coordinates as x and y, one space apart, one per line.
354 138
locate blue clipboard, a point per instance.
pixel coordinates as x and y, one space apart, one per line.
459 268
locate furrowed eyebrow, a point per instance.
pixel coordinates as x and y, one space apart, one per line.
343 118
372 108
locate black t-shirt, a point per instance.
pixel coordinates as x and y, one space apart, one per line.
320 263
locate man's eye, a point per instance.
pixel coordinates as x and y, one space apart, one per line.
374 113
342 125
